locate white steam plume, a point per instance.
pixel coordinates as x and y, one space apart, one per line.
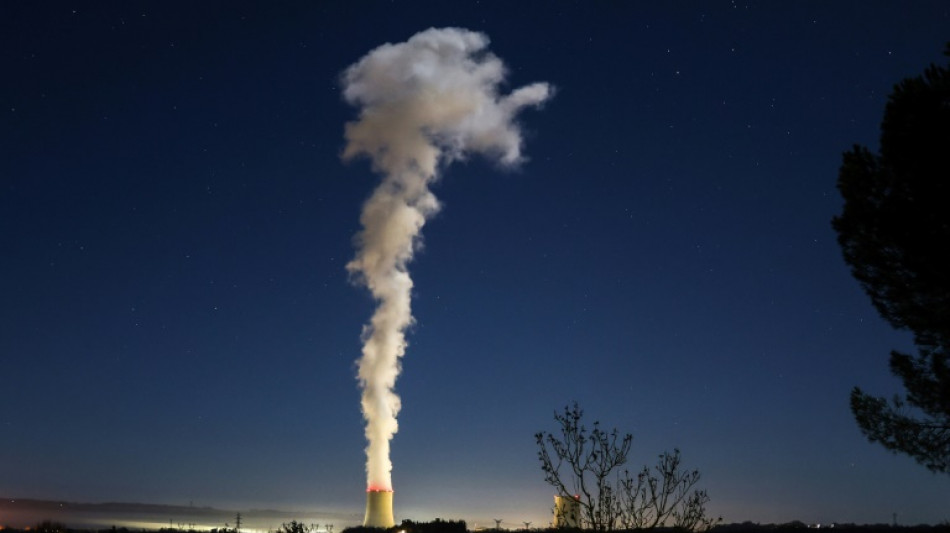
423 103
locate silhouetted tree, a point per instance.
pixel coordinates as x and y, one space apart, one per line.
664 495
363 529
588 459
585 465
296 527
437 525
48 526
894 231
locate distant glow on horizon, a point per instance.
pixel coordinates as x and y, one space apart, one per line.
146 524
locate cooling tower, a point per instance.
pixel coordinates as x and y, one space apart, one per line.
567 512
379 509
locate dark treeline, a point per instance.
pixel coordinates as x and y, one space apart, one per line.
749 527
48 526
459 526
442 526
408 526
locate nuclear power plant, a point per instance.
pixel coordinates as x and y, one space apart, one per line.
379 509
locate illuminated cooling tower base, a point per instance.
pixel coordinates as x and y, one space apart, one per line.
567 512
379 509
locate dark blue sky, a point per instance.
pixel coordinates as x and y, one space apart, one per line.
176 323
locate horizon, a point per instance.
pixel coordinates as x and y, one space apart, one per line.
252 519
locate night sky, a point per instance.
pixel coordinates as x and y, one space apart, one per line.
177 325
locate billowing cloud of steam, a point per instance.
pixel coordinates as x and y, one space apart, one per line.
423 103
